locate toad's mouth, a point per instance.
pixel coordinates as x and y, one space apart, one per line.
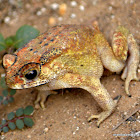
31 84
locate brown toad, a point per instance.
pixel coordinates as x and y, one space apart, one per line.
73 56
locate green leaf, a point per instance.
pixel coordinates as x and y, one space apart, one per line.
19 112
2 43
3 84
24 35
12 125
19 124
11 99
5 102
3 122
12 92
1 98
28 122
9 41
5 129
28 110
5 92
11 115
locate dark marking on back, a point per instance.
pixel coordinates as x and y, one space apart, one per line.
35 51
46 44
52 40
40 42
45 38
50 54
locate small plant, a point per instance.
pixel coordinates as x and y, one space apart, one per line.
19 119
22 117
23 35
7 94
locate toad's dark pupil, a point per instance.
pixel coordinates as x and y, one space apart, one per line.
31 74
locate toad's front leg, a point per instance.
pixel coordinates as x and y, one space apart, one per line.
41 97
103 98
97 90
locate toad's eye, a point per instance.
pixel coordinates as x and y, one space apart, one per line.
31 74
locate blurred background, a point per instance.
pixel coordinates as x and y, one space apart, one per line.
44 13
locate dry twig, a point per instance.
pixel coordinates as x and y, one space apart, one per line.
126 118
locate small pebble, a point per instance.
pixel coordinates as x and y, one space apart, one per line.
112 16
114 79
46 130
73 3
128 122
62 9
52 21
110 8
81 7
7 19
125 113
118 108
55 6
43 9
29 136
73 133
39 13
73 15
77 128
113 91
60 18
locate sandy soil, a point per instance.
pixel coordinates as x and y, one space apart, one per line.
65 115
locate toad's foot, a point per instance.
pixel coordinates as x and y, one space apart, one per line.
102 116
41 98
130 70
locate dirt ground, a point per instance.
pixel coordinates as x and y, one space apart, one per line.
65 115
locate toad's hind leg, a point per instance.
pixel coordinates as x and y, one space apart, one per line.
124 42
130 71
116 58
103 98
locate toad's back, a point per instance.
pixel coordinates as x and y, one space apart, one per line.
71 45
